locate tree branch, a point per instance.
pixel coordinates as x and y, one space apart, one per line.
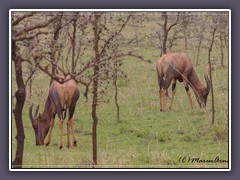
18 20
116 34
174 24
35 26
23 37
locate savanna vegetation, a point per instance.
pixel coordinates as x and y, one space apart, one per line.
117 119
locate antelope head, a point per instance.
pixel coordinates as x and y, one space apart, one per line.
40 126
34 121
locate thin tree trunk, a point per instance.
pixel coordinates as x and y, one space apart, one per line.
20 97
185 41
30 87
210 72
56 32
198 52
73 43
95 87
221 44
165 33
115 77
166 30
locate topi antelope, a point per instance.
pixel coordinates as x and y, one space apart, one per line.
177 66
63 95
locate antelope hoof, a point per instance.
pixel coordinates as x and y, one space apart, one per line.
170 108
75 143
60 147
69 146
47 143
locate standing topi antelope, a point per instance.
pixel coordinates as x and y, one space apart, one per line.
63 95
178 66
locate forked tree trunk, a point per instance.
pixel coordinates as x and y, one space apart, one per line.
166 30
17 111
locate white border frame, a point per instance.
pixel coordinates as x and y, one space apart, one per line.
120 10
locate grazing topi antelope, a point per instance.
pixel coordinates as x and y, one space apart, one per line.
63 95
178 66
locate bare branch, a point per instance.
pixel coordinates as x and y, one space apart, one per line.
35 26
29 77
54 64
113 36
18 20
23 37
174 24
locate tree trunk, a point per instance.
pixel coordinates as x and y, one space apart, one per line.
73 43
56 31
198 52
210 72
221 44
95 87
115 77
20 97
185 41
165 33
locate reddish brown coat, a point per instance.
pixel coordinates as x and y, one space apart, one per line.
178 66
63 95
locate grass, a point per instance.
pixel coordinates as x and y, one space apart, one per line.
144 137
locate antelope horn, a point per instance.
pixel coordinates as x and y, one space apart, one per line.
208 82
36 112
207 79
30 113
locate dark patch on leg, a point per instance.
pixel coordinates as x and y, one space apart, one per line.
161 83
57 103
173 86
73 104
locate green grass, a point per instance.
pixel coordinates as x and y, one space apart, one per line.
144 137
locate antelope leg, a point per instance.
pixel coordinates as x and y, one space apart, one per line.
50 131
173 92
190 99
160 98
61 133
73 133
163 99
188 93
68 133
